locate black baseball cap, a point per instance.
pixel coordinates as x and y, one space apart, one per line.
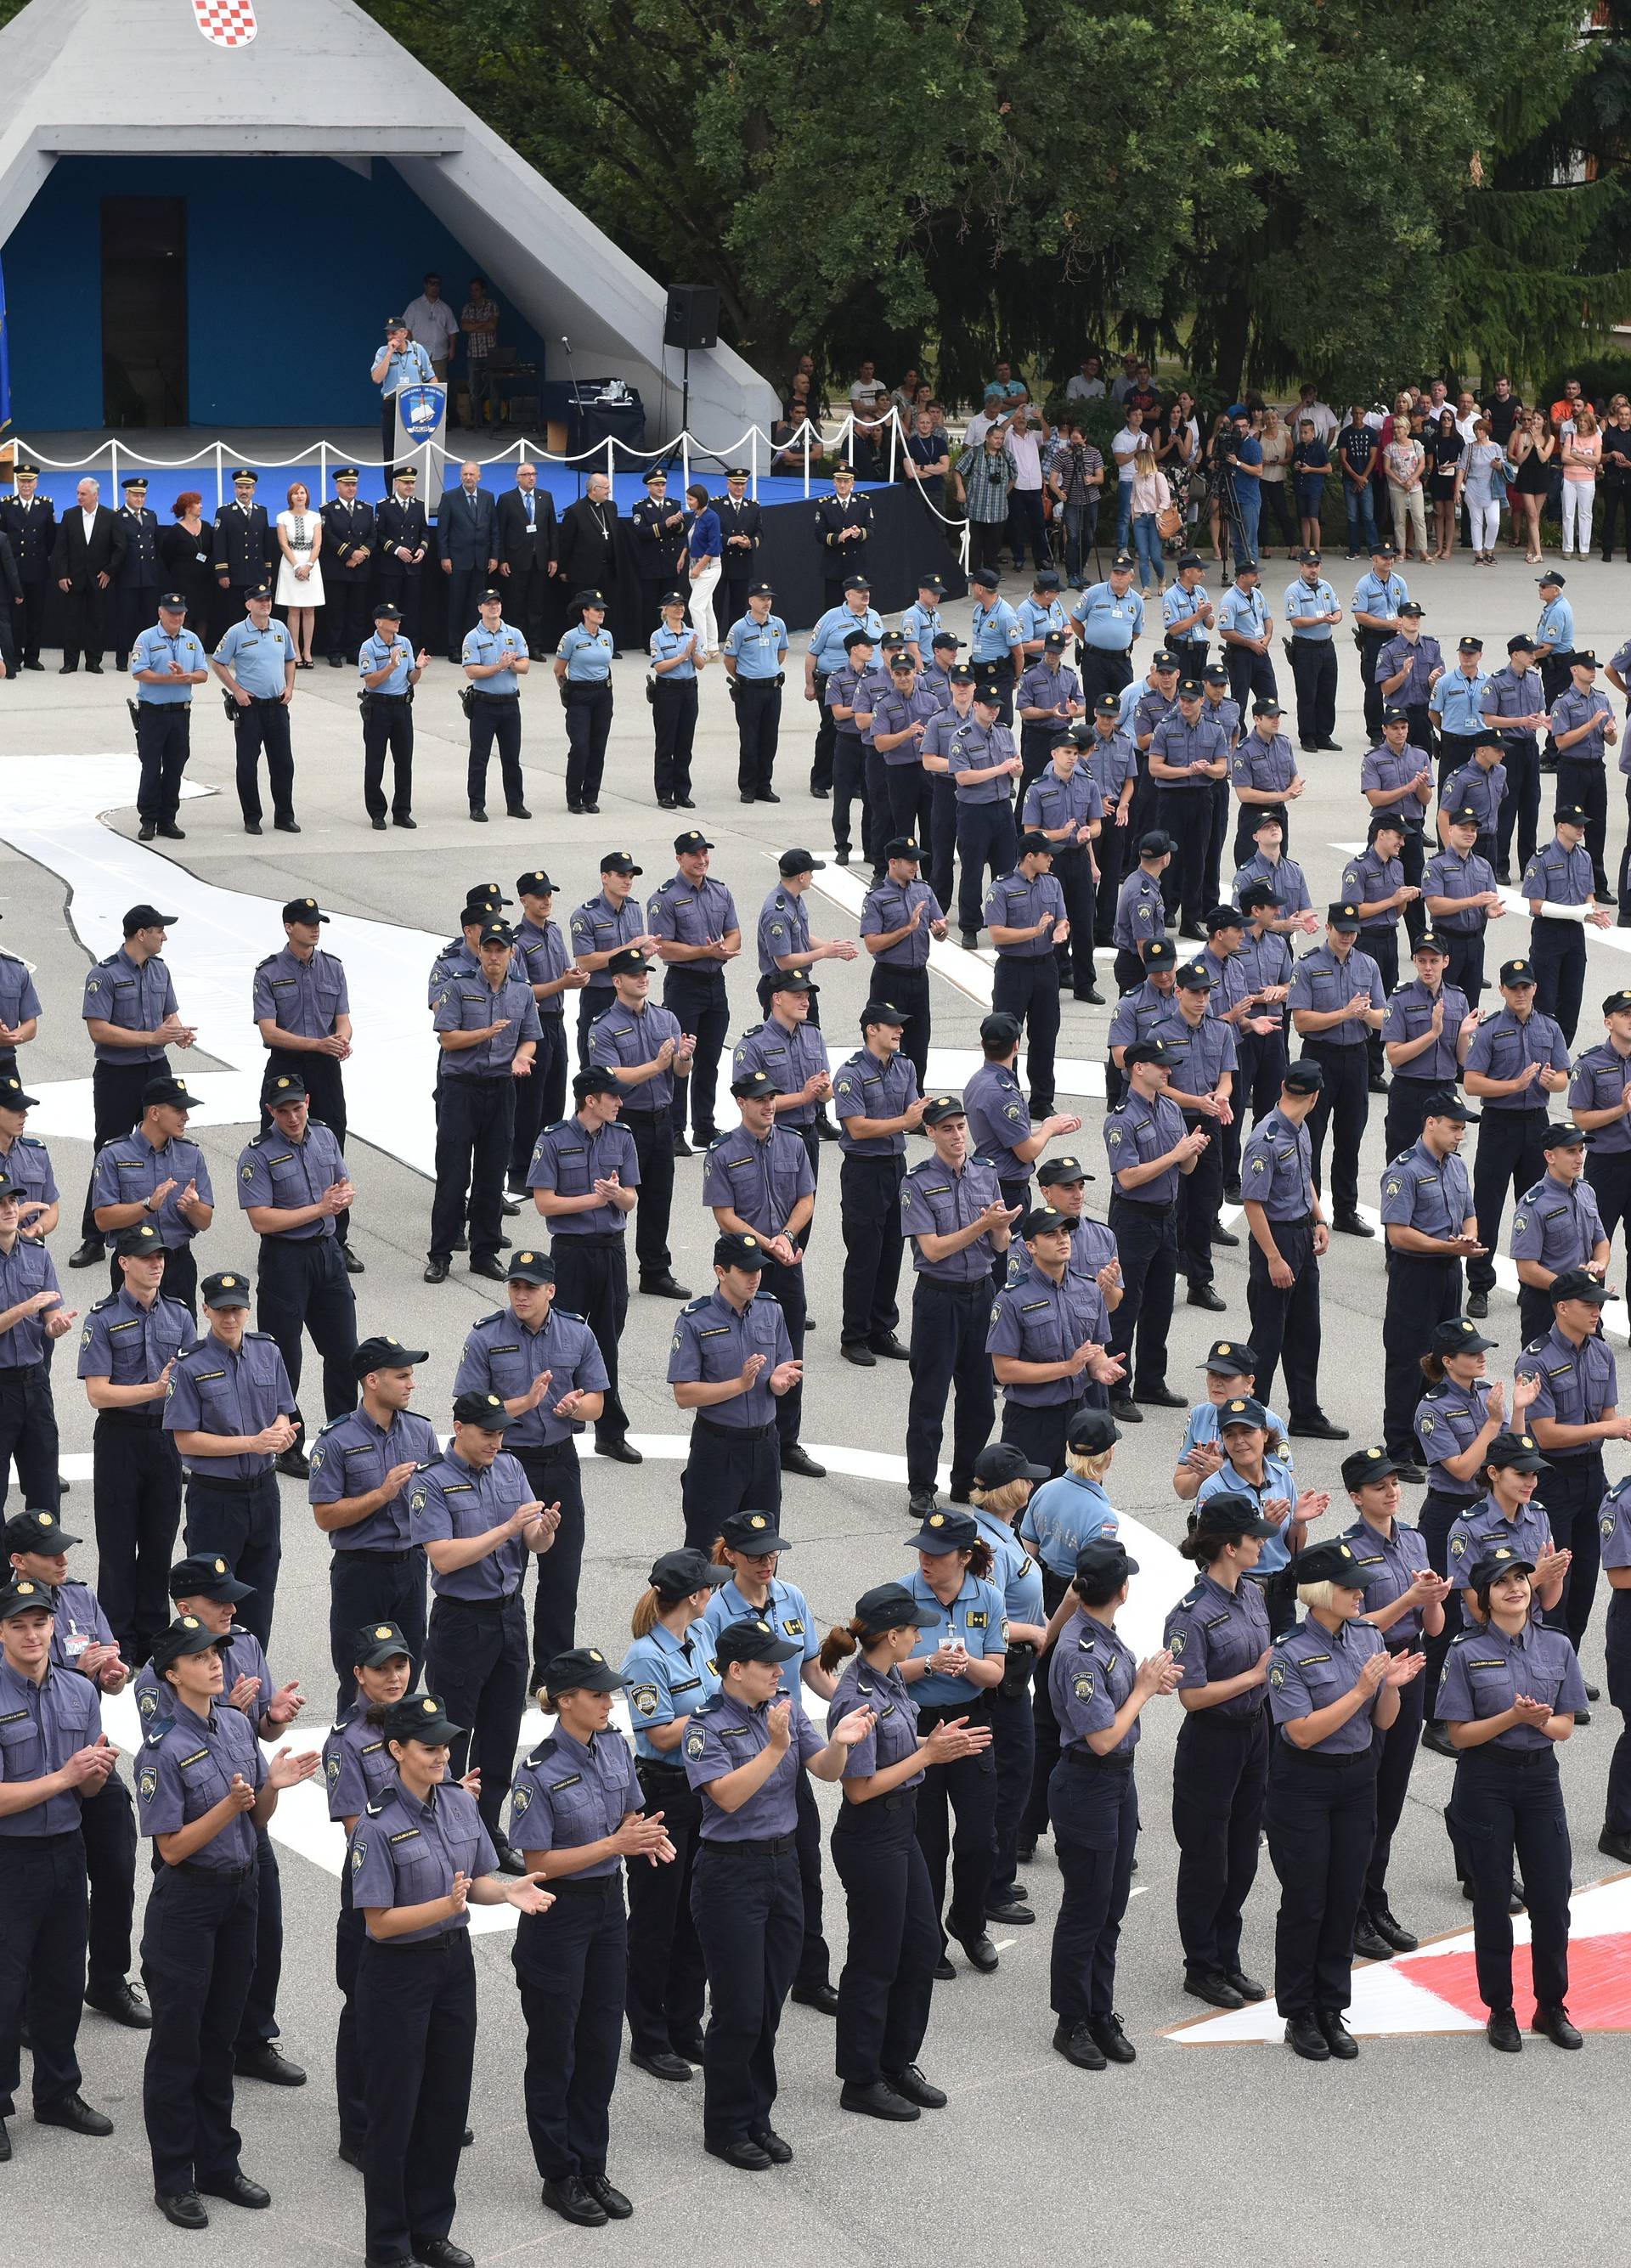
287 1087
1332 1562
944 1530
754 1086
1241 1410
751 1639
1361 1467
998 1462
382 1352
1231 1359
890 1606
1061 1170
531 1268
1091 1432
592 1081
420 1717
380 1642
753 1532
1103 1558
40 1532
207 1575
1517 1453
1304 1076
740 1248
582 1669
186 1635
230 1289
303 909
676 1574
939 1107
619 862
146 916
1343 919
799 862
1457 1336
1577 1283
1228 1512
483 1409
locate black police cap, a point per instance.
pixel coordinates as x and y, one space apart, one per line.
228 1289
286 1089
677 1574
530 1267
1231 1359
1455 1335
1103 1559
754 1086
944 1530
420 1717
890 1606
483 1409
382 1352
1228 1512
1057 1170
939 1107
1332 1562
140 1242
1361 1468
38 1531
751 1639
1090 1432
186 1635
207 1575
755 1533
377 1643
582 1669
740 1248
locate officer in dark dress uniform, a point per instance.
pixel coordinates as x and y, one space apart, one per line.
1431 1226
843 530
741 531
402 541
28 521
136 587
293 1188
585 1179
544 1363
658 533
349 544
129 1344
204 1791
244 551
53 1754
361 1467
232 1412
576 1814
731 1361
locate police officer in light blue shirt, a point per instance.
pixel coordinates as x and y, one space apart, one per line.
921 624
996 640
1244 624
1457 702
255 661
755 660
1311 610
166 662
1554 643
1109 616
496 659
389 670
402 361
1040 612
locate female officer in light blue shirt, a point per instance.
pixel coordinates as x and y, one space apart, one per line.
1258 1466
671 1674
956 1667
677 651
1003 1481
583 661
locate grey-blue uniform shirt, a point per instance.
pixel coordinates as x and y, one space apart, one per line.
1323 983
1422 656
758 648
888 906
136 996
587 654
216 1390
41 1726
599 926
1092 1247
1577 1384
352 1456
1178 742
1449 1419
1506 694
1313 1667
1366 878
157 648
1014 903
1064 1514
568 1792
569 1158
1395 1562
543 958
893 1737
1205 1050
1113 761
1419 1190
937 1201
257 658
1139 1015
1570 711
1045 685
1471 787
1268 766
302 997
129 1344
625 1037
827 639
372 654
844 691
1485 1671
186 1767
998 1117
1602 1075
1214 1634
1052 803
1141 912
274 1170
1483 1525
450 1500
789 1053
127 1171
242 1656
356 1763
405 1852
975 746
867 1088
1089 1680
897 712
760 1177
712 1341
1449 875
1277 1169
18 999
1387 770
1558 876
28 1268
1504 1044
1136 1132
784 930
1409 1012
1262 961
469 1005
503 1355
1040 1321
726 1733
1243 612
669 1676
1284 876
1614 1525
690 913
79 1622
1558 1225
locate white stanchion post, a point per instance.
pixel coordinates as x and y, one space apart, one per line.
220 478
322 474
611 460
753 462
894 436
806 460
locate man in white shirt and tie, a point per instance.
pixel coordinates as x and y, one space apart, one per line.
527 544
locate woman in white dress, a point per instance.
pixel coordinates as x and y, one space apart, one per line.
301 579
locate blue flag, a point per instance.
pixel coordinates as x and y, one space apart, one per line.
5 366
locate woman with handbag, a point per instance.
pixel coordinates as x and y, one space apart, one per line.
1152 504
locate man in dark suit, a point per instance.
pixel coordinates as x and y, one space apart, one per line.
589 545
467 544
11 607
90 545
348 568
658 526
245 555
29 522
527 539
135 591
404 540
742 529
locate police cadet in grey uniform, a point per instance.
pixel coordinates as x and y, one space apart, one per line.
1422 1058
982 760
389 670
33 1313
1572 1417
576 1814
205 1794
234 1413
789 1047
694 921
1337 999
784 935
1517 1061
129 1341
1373 882
1557 1228
600 927
131 1016
1290 1238
730 1362
53 1753
302 1010
494 661
1068 808
1560 874
878 1105
584 1180
488 1027
899 919
959 1224
166 661
545 1366
1149 1148
255 661
1599 1100
292 1187
1046 1339
646 1052
1431 1227
155 1176
1000 1117
758 1180
1026 915
361 1467
546 962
